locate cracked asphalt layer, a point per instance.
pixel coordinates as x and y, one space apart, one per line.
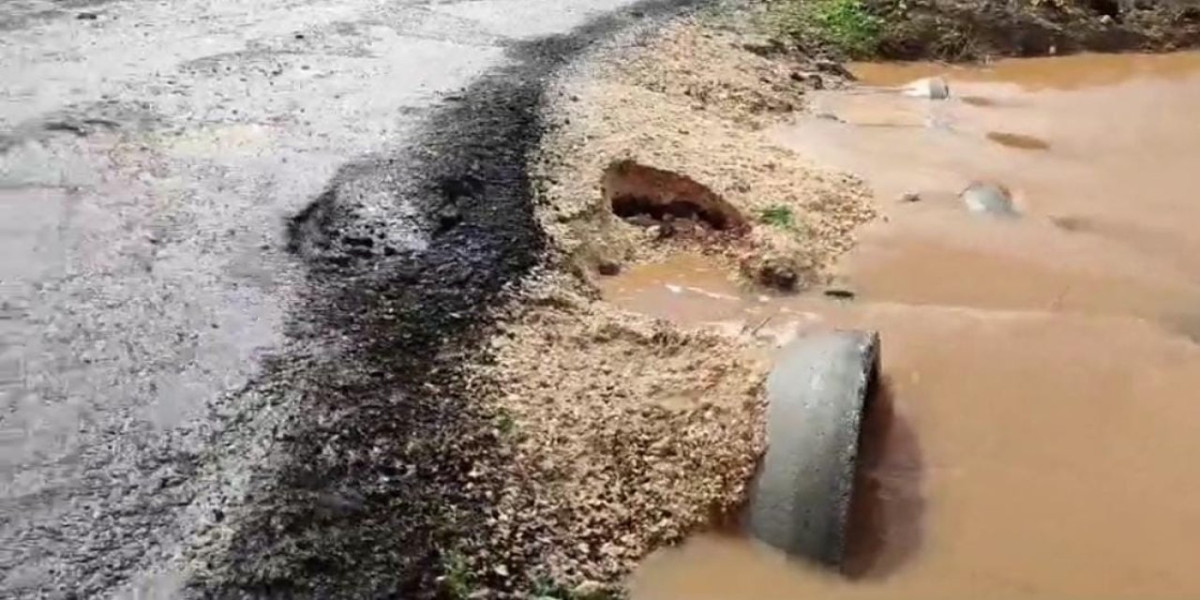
241 247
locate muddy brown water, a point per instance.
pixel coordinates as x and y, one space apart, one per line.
1043 373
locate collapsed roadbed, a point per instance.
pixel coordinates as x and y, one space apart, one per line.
370 460
460 415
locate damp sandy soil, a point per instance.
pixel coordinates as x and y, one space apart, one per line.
693 101
626 435
1041 370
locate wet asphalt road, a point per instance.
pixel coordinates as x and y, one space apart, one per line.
234 239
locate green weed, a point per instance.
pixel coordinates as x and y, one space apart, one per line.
505 422
842 25
546 589
456 576
778 216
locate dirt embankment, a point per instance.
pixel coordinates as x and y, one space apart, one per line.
969 30
976 29
690 109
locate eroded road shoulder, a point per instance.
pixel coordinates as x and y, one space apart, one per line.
189 405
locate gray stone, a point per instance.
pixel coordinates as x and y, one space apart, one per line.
608 268
989 199
817 394
834 67
812 80
934 88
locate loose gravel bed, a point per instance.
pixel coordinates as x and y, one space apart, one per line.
622 434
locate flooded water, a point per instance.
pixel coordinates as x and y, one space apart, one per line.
1043 372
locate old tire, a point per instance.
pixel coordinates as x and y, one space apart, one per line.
817 394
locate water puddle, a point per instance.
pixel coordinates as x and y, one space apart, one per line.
1042 370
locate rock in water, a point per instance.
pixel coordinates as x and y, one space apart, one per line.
608 268
817 394
934 88
989 199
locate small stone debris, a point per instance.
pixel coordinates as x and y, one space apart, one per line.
812 80
358 241
774 272
66 126
834 68
762 46
587 589
608 268
448 217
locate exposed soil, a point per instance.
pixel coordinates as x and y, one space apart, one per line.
636 192
701 100
978 29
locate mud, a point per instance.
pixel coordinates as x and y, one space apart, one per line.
1040 370
636 191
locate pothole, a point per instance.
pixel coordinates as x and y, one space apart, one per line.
648 196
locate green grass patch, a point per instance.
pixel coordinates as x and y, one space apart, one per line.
545 589
456 576
845 26
505 422
778 216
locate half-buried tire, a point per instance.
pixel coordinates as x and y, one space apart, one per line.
817 395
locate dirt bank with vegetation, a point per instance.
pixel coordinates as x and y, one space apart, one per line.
979 29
